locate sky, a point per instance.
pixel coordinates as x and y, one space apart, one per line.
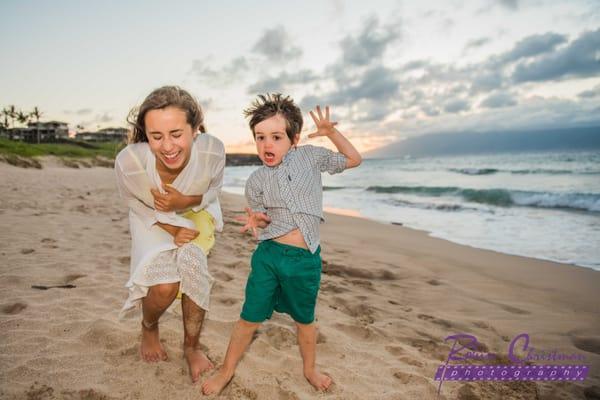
390 70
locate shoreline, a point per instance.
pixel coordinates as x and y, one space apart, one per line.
389 296
354 213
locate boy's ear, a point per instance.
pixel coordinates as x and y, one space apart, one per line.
296 139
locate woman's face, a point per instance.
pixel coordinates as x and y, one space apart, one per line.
170 138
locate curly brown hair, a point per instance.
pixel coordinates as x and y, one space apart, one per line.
163 97
267 105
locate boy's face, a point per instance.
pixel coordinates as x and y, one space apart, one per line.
272 142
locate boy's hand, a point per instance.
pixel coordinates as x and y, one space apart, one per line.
252 221
324 126
185 235
173 200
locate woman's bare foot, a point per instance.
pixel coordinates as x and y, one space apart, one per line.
197 362
318 380
217 382
151 349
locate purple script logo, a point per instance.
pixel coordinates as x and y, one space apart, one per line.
464 347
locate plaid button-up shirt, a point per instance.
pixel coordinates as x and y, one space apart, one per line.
291 193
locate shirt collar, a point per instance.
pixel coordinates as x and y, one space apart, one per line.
284 159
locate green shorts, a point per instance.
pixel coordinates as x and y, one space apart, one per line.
283 278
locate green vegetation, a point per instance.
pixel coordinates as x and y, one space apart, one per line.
70 149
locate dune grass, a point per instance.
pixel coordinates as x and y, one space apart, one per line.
75 149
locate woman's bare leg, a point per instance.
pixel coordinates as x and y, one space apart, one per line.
193 316
158 299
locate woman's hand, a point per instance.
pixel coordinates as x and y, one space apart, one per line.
252 221
173 200
185 235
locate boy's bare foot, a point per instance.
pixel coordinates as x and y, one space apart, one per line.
217 382
151 350
197 362
318 380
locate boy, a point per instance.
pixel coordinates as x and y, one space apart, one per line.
285 198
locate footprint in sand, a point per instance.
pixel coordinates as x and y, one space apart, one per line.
357 331
280 337
434 282
222 276
362 283
236 265
592 392
587 343
333 269
321 338
287 395
73 277
406 378
228 301
14 308
427 346
399 352
328 286
438 321
39 392
132 351
513 310
125 260
364 313
27 251
235 391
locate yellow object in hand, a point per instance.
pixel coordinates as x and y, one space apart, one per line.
205 224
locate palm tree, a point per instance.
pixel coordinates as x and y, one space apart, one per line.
12 114
5 113
22 117
36 113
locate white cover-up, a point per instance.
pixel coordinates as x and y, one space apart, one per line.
135 168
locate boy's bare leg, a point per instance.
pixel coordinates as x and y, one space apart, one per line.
193 316
240 339
307 340
157 300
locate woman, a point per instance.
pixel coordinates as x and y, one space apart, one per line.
170 175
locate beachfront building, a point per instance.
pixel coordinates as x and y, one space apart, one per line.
52 131
103 135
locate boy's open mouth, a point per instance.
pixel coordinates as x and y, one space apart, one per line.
269 156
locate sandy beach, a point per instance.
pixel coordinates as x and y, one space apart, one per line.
389 297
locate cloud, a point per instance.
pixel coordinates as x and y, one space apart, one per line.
275 45
457 105
486 80
82 111
532 113
580 58
476 43
223 76
282 81
588 94
412 65
509 4
498 100
430 110
370 44
103 118
532 46
377 83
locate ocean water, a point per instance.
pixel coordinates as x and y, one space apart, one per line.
543 205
